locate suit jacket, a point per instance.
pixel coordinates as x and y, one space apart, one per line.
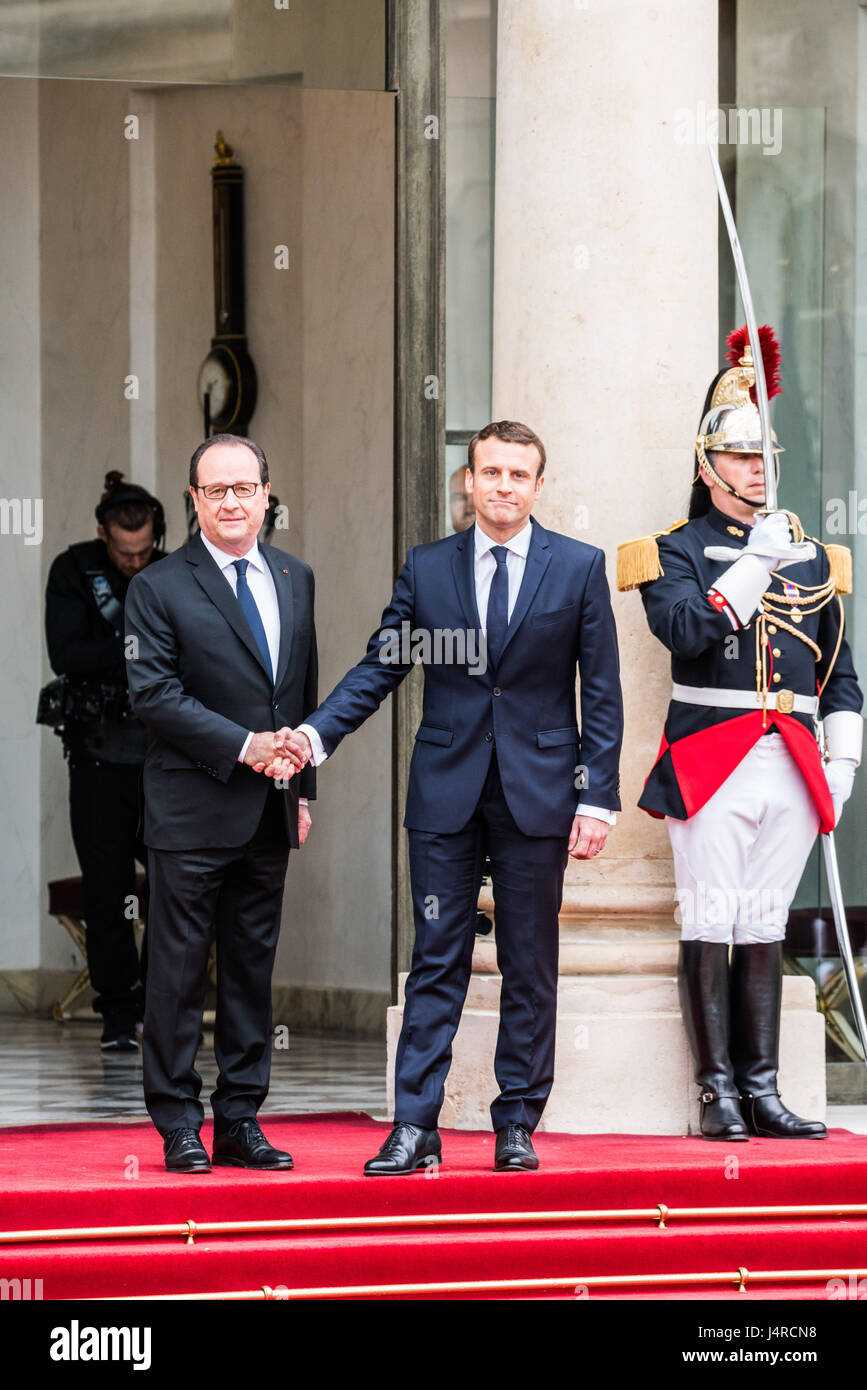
702 744
199 685
562 621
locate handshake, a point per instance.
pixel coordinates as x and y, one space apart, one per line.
279 754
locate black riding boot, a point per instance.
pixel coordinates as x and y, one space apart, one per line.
703 984
756 999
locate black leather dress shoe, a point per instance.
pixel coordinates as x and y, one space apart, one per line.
185 1152
244 1145
118 1033
407 1148
514 1151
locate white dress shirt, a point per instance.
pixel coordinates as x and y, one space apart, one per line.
485 569
260 582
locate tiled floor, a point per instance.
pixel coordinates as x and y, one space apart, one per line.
51 1072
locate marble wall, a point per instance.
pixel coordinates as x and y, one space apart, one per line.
338 45
83 187
20 562
109 267
320 334
347 281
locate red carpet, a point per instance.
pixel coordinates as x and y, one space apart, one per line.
112 1174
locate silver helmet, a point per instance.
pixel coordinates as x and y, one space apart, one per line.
734 427
732 423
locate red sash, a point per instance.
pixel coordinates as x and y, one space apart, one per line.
702 761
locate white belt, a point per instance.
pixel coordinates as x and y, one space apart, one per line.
784 700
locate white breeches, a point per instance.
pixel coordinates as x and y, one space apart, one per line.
738 861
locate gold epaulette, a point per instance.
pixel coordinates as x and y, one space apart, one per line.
840 560
638 561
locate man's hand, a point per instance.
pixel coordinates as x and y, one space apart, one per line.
266 753
840 774
304 824
771 540
294 745
769 534
588 837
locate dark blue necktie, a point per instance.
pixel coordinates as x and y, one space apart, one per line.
498 607
251 613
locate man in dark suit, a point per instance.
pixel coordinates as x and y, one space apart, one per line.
222 651
497 761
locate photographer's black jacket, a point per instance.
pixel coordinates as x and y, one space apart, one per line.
88 649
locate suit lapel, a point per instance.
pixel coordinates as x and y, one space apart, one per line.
219 592
464 571
538 560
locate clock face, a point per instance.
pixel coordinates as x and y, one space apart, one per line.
214 378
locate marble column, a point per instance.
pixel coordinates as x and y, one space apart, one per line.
605 337
22 522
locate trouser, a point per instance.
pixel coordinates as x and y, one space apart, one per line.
104 805
235 895
738 861
527 881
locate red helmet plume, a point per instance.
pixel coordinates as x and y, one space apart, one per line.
771 356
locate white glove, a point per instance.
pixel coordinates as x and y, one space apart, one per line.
770 533
770 543
840 775
771 540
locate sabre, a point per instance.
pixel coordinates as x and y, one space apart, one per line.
835 892
829 848
753 331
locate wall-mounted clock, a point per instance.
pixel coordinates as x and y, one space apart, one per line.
227 377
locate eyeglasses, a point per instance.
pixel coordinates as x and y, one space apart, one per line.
215 492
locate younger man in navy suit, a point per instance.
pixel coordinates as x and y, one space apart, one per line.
504 614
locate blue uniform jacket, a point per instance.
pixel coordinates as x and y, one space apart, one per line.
706 651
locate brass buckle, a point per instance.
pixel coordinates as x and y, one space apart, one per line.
785 701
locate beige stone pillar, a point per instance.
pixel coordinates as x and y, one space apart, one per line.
605 337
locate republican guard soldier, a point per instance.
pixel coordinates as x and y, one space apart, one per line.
751 611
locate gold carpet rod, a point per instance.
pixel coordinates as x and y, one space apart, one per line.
741 1279
189 1230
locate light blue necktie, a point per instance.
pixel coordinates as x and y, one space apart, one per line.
252 614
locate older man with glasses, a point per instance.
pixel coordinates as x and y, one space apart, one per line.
221 653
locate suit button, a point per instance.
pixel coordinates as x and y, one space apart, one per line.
777 651
497 690
274 705
771 628
777 676
489 738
